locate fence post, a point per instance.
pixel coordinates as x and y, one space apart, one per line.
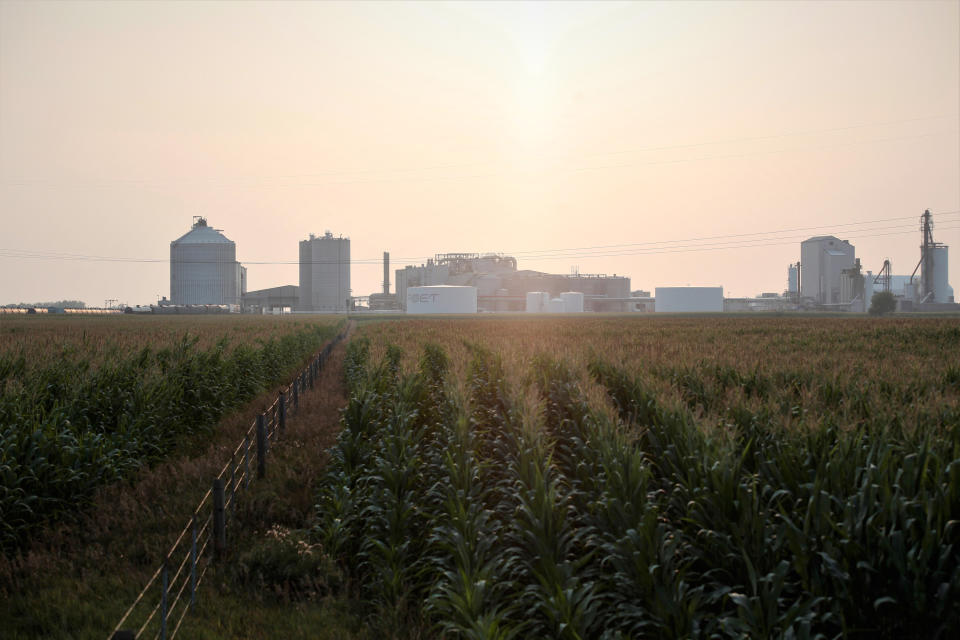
233 479
312 375
296 397
163 601
246 461
193 560
261 447
283 412
219 526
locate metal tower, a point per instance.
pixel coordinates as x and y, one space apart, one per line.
927 280
883 278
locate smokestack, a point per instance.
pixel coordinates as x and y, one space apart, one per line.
386 273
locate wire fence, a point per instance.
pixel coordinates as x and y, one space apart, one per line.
158 611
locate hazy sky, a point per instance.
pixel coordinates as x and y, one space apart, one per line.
534 129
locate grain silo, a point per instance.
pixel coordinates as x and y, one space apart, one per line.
204 268
325 273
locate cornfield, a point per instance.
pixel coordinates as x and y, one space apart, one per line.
87 401
641 478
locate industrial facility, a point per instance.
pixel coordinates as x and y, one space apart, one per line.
204 268
205 277
830 276
502 287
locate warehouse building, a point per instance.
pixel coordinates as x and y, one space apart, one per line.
688 299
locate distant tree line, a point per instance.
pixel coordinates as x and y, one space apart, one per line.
60 304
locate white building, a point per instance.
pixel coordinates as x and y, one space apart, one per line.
325 273
688 299
204 268
822 262
441 299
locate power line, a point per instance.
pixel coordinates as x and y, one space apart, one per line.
720 242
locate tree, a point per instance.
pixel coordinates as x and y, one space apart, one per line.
882 303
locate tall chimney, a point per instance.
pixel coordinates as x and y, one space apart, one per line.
386 273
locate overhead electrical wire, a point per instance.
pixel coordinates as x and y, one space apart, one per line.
716 243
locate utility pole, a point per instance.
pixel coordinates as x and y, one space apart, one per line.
927 254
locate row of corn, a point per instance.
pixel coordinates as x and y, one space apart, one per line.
464 509
68 427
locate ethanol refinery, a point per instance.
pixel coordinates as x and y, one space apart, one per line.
829 276
206 277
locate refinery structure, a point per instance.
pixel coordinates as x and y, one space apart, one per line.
829 276
501 286
205 277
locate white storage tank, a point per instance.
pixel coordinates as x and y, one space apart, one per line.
555 306
688 299
441 299
572 302
537 301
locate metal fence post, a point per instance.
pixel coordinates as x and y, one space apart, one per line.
283 412
193 560
233 479
246 461
261 447
163 601
219 525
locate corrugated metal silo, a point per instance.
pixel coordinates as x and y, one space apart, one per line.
204 267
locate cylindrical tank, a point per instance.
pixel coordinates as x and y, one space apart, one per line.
556 305
441 299
572 301
792 278
204 268
941 288
536 300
